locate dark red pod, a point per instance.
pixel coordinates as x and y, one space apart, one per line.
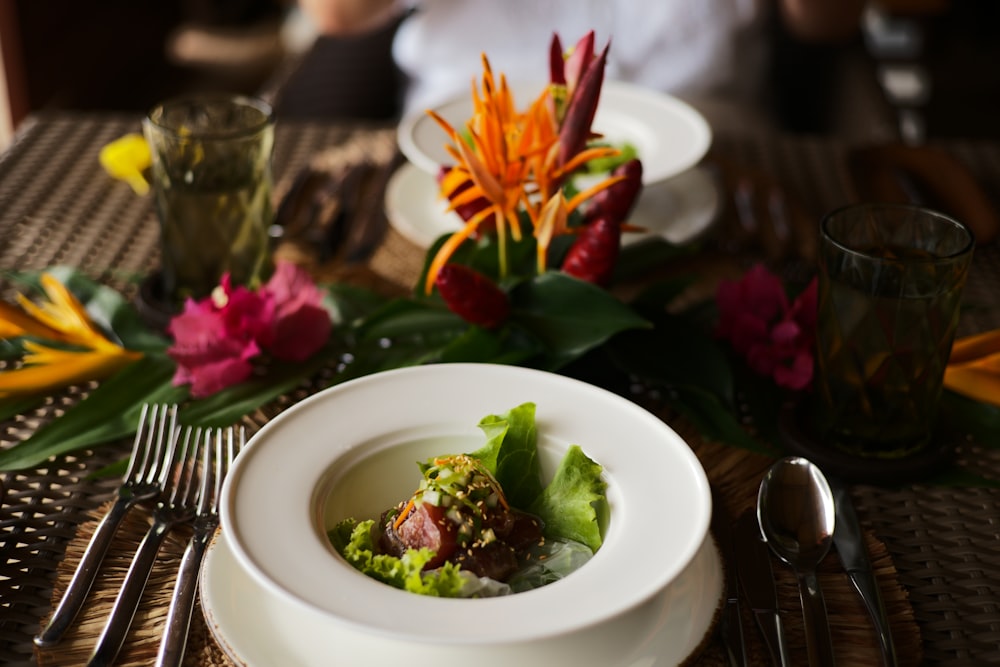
593 255
472 296
466 211
617 201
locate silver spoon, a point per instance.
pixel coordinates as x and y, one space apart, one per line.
796 513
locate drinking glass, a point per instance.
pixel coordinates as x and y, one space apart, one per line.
212 180
890 282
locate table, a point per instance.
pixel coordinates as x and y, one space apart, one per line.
942 545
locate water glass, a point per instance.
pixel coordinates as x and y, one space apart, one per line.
890 282
212 180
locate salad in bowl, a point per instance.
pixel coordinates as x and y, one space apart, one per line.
481 524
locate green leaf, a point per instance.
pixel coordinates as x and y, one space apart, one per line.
11 407
567 505
637 260
110 412
505 346
714 420
229 405
569 316
675 353
403 317
347 303
511 453
980 420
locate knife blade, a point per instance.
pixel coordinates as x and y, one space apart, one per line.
730 626
757 581
849 542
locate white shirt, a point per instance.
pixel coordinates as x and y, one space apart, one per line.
690 48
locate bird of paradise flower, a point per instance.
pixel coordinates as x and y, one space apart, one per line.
520 161
62 345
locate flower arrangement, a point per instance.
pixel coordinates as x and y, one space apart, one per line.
514 170
525 281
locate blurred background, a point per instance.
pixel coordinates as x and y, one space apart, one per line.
918 69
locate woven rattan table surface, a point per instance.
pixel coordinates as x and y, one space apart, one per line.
58 207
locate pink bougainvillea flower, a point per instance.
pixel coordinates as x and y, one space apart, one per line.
216 339
775 337
301 325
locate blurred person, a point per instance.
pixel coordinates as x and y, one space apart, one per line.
711 53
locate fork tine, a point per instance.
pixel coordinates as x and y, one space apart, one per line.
183 483
139 453
166 443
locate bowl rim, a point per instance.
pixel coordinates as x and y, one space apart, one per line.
269 501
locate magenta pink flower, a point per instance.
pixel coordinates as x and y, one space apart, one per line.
216 339
776 338
301 325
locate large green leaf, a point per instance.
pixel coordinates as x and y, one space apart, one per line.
348 304
110 412
569 316
11 407
714 420
676 353
229 405
980 420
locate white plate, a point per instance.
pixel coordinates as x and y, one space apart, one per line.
679 209
669 135
244 619
351 450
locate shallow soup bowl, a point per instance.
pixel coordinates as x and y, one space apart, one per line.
646 597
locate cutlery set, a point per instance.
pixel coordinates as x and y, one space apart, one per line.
176 473
799 515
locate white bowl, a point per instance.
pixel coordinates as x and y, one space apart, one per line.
352 450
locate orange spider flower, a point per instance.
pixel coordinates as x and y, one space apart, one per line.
518 162
81 352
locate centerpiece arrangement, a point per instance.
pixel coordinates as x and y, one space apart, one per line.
525 281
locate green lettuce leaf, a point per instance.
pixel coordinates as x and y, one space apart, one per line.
353 540
568 505
511 453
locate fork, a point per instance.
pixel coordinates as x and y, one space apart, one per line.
143 479
205 524
177 504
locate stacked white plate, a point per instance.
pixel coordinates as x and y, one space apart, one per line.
679 201
275 592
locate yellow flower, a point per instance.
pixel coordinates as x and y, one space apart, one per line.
126 159
71 350
974 367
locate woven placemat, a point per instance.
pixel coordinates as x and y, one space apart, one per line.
734 473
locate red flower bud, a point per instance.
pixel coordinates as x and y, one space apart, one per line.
593 255
466 211
617 201
472 296
582 107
